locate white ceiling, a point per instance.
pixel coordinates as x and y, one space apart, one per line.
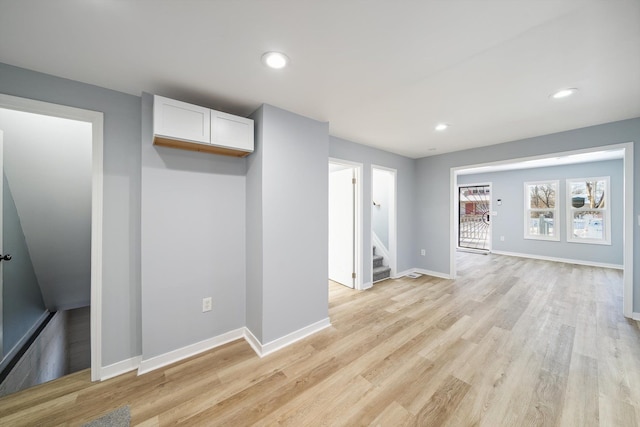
383 73
541 162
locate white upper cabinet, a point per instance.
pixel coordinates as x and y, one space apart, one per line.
185 126
228 130
179 120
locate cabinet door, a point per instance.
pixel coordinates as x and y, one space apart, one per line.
231 131
179 120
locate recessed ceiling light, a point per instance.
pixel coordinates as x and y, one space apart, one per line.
564 93
441 126
275 60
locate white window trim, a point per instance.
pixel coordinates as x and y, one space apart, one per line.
607 212
556 212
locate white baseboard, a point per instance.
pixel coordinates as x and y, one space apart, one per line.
174 356
253 342
263 350
366 286
635 316
473 251
120 368
565 260
431 273
188 351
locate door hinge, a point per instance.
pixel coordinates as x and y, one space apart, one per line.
353 180
353 275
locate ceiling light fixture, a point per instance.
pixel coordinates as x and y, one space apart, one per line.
564 93
275 60
441 126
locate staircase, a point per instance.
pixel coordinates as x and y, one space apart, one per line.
380 272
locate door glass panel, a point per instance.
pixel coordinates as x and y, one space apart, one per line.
474 231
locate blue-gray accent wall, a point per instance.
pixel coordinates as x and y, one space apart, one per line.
22 304
509 221
434 198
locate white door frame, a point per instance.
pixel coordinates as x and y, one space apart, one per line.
628 216
358 283
1 239
393 223
97 125
457 222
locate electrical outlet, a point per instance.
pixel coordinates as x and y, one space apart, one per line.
206 304
502 238
423 252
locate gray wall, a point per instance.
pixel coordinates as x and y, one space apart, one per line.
254 239
381 188
433 195
293 194
121 337
509 186
406 185
193 244
22 304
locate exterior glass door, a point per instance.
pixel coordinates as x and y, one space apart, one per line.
474 230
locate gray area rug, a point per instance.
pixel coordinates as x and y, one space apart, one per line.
121 417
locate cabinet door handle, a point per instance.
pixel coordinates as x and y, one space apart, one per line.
5 257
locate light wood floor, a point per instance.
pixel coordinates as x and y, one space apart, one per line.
511 342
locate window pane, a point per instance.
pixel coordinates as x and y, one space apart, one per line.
542 196
541 223
588 194
588 225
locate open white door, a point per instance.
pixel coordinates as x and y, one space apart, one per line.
341 226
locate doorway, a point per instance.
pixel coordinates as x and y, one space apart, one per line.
383 223
345 207
41 253
474 217
627 150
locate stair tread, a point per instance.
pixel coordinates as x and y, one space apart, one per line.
377 257
381 269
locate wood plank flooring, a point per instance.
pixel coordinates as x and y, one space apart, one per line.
511 342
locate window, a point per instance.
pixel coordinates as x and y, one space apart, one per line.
541 211
588 217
